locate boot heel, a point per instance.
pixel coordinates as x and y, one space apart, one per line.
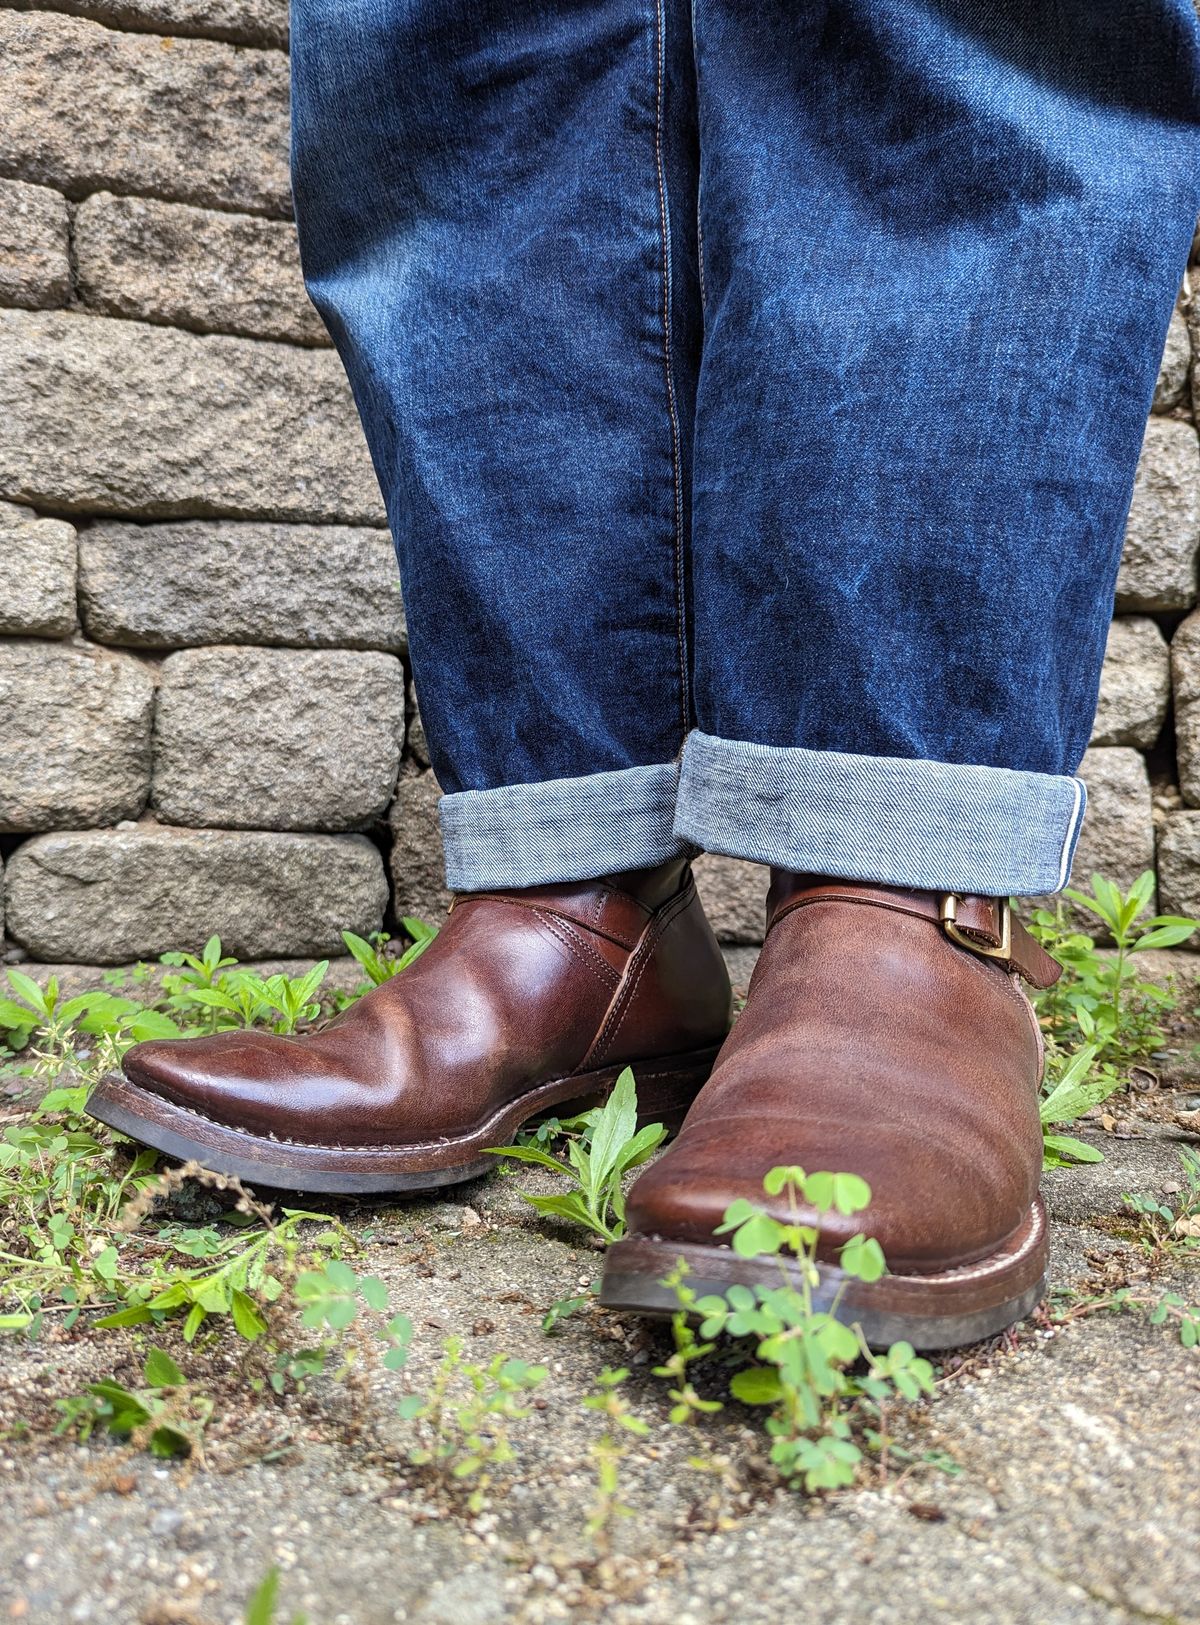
666 1087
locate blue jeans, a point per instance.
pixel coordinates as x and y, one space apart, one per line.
756 388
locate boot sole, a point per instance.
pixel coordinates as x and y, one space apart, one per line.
666 1088
940 1311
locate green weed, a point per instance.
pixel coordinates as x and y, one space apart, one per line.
93 1028
380 966
1071 1087
1170 1223
1157 1308
166 1416
464 1419
1103 998
260 1610
814 1374
1104 1014
607 1453
603 1145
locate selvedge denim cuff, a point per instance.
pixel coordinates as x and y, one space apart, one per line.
930 825
563 829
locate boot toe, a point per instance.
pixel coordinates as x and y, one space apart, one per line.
684 1195
206 1075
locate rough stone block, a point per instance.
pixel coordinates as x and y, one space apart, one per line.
1118 830
88 109
734 894
1173 371
179 585
35 270
37 574
1135 685
1158 568
109 896
76 734
243 22
195 268
418 873
277 738
1185 676
120 418
1179 864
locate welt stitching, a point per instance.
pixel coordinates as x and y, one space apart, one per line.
190 1110
664 219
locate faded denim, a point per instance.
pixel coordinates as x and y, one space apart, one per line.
769 377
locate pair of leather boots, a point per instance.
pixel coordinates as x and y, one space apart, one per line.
885 1034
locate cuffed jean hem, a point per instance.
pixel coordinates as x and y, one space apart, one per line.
934 826
561 829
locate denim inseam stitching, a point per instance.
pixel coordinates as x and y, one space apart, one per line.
699 174
664 216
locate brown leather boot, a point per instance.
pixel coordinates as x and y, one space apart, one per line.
886 1034
527 1002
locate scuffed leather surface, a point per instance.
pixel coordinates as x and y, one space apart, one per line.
872 1044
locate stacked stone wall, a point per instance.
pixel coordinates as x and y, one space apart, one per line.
208 723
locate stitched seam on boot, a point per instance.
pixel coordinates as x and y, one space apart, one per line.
541 907
584 955
603 1043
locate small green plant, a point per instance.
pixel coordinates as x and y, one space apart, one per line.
804 1356
563 1308
603 1145
165 1416
331 1299
464 1419
1171 1223
76 1233
196 973
1072 1086
260 1610
381 967
61 1196
201 993
239 998
607 1453
69 1030
1104 1014
1157 1308
1103 999
686 1403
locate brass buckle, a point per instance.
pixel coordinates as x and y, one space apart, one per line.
948 913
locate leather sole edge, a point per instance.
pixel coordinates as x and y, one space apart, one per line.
944 1310
666 1087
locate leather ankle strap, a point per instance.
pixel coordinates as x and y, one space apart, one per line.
985 926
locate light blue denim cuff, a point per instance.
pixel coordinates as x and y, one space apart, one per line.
930 825
562 829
